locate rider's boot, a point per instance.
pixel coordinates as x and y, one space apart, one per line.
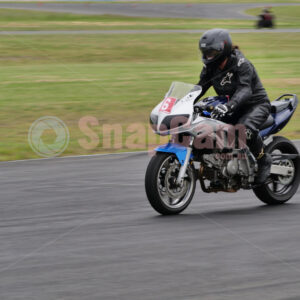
264 162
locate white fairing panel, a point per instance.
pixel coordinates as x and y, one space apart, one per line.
173 106
215 132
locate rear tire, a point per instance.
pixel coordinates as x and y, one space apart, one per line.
270 193
163 194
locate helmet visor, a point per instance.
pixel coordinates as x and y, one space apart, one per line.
210 54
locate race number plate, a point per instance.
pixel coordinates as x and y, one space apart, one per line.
167 105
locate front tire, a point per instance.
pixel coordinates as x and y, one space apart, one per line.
164 195
281 189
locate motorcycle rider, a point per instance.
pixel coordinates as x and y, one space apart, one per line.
231 74
266 19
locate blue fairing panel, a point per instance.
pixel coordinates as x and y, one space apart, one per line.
178 150
266 132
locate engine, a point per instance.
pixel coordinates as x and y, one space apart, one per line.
225 171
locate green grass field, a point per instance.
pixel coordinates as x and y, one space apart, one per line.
11 19
117 79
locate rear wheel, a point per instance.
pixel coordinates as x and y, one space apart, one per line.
164 194
279 189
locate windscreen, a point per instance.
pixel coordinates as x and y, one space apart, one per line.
179 89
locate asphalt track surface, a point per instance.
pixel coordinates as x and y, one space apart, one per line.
81 228
214 11
154 31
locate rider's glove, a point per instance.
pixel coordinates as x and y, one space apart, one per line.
220 111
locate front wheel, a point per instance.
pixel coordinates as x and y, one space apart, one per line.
281 188
164 194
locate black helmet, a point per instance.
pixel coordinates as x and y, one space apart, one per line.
215 45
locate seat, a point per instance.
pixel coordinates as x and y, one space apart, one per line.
269 122
278 106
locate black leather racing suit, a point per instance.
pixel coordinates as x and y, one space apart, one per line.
247 97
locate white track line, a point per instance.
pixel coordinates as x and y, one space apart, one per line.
83 156
74 156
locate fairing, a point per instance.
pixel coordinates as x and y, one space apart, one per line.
179 102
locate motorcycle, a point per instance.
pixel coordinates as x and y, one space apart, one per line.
215 153
265 20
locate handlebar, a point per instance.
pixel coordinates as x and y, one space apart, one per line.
200 108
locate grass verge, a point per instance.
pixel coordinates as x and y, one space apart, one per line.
12 19
117 80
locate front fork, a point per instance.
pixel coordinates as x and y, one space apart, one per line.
186 162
